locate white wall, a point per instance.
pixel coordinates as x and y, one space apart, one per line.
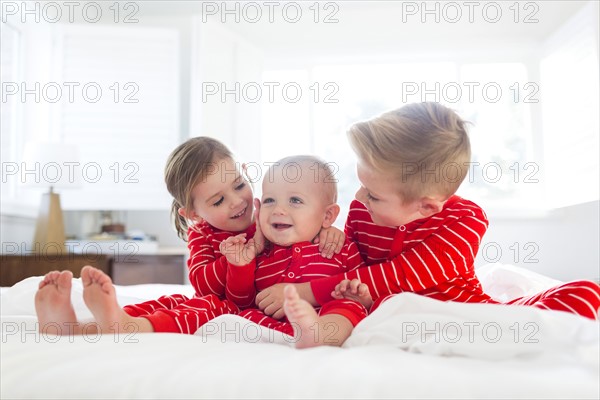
563 245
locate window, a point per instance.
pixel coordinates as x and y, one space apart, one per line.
125 114
10 110
570 77
489 95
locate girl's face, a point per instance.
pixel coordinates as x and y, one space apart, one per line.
382 201
224 198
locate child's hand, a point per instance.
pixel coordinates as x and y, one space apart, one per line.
353 290
238 250
270 300
331 240
258 239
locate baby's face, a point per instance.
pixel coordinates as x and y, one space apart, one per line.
292 210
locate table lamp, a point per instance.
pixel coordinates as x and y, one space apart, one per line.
53 166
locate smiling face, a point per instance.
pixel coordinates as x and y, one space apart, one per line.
294 211
382 201
224 198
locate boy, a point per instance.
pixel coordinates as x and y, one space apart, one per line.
411 229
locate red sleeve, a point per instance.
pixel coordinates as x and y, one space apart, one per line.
239 287
350 260
207 269
353 260
446 253
349 227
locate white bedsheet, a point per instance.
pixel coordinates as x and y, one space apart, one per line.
408 348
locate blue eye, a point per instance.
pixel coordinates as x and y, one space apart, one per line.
219 202
268 200
295 200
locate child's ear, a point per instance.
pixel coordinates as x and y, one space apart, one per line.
191 215
331 213
430 206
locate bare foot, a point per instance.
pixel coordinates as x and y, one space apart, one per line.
100 297
53 304
303 317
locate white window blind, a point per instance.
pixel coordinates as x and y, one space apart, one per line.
9 72
569 76
128 131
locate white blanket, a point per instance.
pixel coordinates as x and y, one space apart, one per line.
410 347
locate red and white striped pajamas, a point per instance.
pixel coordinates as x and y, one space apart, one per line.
435 257
299 263
207 273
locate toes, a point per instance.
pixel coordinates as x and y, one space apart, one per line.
49 279
86 275
290 293
64 279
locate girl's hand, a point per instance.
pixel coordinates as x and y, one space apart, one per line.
353 290
331 240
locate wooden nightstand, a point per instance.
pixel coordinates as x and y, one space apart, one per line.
124 270
138 269
14 268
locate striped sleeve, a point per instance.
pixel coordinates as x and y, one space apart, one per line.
207 269
447 253
239 287
349 229
352 258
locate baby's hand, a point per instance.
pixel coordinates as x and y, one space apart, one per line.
238 250
353 290
331 240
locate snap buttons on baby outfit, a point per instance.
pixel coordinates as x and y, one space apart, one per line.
290 275
402 228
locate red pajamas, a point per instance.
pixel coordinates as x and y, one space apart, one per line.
435 257
302 262
207 273
179 314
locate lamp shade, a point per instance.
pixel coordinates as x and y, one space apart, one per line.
51 164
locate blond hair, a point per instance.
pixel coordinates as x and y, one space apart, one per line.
318 169
424 146
188 165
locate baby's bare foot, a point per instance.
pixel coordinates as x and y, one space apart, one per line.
53 304
303 317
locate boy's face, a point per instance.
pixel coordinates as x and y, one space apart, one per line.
292 210
382 200
224 198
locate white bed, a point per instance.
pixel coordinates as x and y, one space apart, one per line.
395 353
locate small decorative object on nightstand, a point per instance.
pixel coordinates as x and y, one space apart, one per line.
50 162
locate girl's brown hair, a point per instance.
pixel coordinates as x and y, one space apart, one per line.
187 166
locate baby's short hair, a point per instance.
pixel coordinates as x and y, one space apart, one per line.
424 146
317 169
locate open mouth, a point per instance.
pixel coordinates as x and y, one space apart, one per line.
281 227
240 214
